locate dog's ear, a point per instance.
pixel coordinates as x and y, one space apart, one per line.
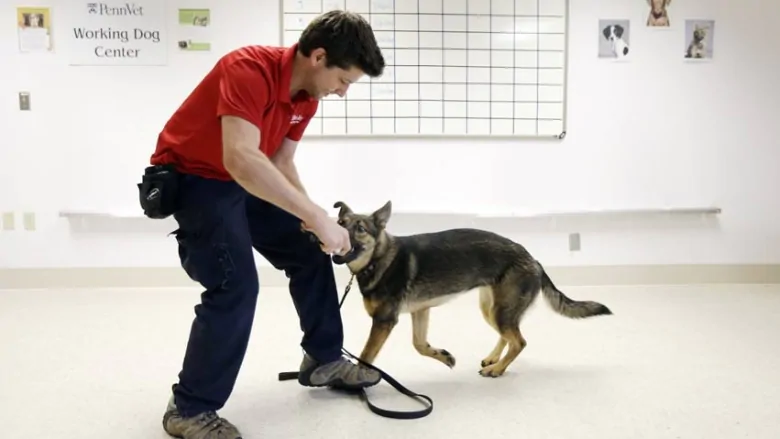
382 215
605 31
343 208
618 30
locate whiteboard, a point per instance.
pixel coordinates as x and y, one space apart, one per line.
454 68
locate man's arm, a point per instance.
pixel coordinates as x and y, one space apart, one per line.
243 95
283 159
257 174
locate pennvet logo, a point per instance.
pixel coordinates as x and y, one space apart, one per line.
297 118
126 9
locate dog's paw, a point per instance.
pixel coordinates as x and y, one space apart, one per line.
445 357
489 361
491 371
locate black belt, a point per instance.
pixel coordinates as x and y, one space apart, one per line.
286 376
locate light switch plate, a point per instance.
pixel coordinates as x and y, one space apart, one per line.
24 101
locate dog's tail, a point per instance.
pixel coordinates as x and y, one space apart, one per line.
567 307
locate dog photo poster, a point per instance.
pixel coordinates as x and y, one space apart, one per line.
699 39
658 14
614 39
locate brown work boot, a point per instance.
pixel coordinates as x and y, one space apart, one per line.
207 425
339 374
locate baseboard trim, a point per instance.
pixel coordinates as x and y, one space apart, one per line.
174 277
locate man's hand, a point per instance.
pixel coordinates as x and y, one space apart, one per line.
334 238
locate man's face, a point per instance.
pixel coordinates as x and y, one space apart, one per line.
326 81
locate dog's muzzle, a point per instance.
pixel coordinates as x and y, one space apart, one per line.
348 257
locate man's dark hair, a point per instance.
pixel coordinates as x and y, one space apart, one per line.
348 40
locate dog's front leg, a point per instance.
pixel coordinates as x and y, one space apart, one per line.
381 327
420 339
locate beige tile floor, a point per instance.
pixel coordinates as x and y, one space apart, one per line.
673 362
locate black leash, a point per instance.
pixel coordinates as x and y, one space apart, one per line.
286 376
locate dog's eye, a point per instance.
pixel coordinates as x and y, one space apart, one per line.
341 222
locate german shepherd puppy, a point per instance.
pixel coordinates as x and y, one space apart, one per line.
412 274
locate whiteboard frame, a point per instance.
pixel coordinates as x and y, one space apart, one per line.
405 136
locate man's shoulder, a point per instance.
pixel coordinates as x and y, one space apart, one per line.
253 66
264 57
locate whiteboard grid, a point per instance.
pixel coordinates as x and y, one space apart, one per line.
454 68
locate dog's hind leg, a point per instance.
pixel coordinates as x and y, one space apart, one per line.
486 306
495 354
420 339
515 342
509 304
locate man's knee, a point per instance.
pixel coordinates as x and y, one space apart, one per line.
216 259
214 241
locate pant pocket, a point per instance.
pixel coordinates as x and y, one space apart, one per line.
205 259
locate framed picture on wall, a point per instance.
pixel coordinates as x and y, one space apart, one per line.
34 29
699 40
658 16
614 39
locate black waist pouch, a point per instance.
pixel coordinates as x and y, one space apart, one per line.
158 191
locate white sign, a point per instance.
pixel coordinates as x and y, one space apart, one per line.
117 33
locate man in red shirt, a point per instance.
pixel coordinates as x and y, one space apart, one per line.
233 142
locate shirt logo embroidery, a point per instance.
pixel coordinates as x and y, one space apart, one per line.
297 118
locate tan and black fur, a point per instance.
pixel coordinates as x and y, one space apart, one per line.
412 274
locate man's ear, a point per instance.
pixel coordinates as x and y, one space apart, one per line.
382 215
343 208
317 56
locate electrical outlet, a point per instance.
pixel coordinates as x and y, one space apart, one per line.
9 221
574 242
28 218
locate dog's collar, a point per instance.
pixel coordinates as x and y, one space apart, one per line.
368 270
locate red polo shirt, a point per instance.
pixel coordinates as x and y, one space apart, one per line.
252 83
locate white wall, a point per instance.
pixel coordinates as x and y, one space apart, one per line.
637 138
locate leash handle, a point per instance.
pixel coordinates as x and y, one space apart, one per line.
394 414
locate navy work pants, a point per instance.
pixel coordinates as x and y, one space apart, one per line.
219 226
